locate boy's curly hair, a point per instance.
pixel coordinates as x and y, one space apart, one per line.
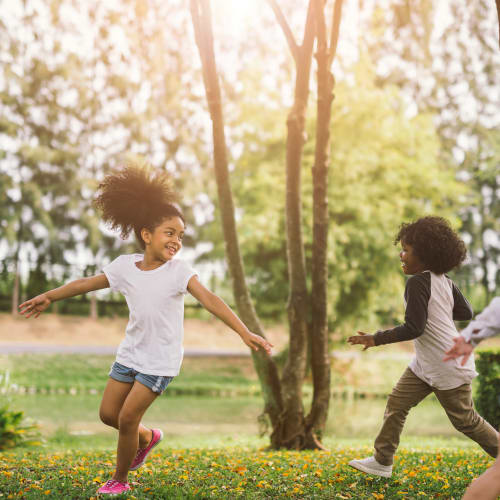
434 242
136 197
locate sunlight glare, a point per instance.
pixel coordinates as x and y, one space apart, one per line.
236 17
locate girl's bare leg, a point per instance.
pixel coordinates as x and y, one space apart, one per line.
136 403
487 485
113 398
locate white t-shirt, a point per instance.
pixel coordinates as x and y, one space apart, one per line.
155 330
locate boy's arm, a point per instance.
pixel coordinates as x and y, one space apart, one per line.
417 294
462 310
38 304
219 308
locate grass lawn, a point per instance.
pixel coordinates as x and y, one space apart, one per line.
57 373
432 470
211 448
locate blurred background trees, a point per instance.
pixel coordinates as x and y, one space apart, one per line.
86 85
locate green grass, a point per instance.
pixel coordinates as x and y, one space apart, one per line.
211 448
187 417
243 472
56 373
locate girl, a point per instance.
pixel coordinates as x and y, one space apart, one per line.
154 284
430 248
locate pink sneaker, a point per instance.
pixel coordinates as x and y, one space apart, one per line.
113 487
142 453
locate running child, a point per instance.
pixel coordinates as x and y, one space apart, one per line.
430 248
154 284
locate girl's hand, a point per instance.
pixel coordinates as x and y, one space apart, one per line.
35 306
256 341
461 348
363 339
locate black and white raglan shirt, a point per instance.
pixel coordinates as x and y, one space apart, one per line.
433 302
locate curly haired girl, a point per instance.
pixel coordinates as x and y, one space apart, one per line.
154 284
430 248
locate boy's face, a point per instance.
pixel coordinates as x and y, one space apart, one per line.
410 263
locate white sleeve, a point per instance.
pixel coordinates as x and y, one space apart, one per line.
184 273
114 273
488 324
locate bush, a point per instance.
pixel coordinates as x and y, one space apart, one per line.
14 429
487 397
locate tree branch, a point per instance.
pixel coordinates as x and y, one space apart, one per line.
320 23
334 38
498 12
292 44
310 29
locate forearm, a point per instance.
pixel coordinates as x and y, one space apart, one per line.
486 324
477 333
400 333
71 289
221 310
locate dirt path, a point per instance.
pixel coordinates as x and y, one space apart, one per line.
65 331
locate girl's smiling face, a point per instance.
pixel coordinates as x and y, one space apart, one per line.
166 239
410 262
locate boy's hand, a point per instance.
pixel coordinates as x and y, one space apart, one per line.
461 348
35 306
256 341
363 339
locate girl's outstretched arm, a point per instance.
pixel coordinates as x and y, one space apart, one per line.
38 304
219 308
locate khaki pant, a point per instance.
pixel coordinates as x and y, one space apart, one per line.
457 403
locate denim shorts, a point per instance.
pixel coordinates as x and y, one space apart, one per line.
157 383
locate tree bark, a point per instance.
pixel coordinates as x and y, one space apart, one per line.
17 278
93 306
498 14
264 364
292 431
15 290
318 333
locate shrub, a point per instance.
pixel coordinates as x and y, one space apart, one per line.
487 397
14 429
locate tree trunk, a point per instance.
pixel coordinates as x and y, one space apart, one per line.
292 433
93 306
264 365
498 14
15 289
318 333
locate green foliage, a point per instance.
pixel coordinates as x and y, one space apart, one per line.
82 107
469 140
385 169
14 430
487 398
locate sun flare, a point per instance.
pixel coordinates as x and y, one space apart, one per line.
236 16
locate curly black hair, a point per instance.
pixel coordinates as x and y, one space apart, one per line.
136 197
434 242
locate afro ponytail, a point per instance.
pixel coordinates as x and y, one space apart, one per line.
136 197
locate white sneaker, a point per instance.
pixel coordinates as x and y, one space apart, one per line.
371 466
